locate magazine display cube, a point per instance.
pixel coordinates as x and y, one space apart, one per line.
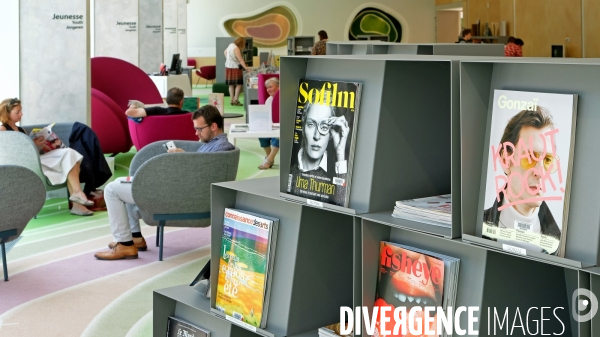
479 79
407 128
187 304
312 271
329 257
484 279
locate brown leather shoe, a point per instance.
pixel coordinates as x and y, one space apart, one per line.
140 243
119 252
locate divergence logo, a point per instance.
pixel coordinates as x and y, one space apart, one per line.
584 305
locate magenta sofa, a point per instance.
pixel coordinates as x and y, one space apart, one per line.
110 124
167 127
114 83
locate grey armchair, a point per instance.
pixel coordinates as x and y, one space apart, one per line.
22 196
18 149
174 188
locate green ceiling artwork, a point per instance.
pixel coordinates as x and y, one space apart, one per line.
269 28
374 21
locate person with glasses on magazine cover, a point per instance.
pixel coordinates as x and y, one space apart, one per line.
322 128
123 214
526 125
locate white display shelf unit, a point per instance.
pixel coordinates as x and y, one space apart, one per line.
412 106
381 47
300 45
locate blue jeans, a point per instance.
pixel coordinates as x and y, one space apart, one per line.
266 142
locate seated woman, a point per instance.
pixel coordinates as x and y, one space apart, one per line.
270 145
58 165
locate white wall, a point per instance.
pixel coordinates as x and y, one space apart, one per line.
112 37
151 35
55 61
204 16
9 57
448 26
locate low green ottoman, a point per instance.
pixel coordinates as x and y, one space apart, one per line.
221 88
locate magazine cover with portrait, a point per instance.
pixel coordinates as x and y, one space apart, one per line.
408 279
323 143
528 176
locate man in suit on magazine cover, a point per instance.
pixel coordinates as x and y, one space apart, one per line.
525 194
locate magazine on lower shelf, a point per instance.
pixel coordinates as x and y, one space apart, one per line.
332 330
245 267
529 168
410 277
432 210
324 140
179 328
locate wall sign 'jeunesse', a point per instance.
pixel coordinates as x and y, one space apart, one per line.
54 33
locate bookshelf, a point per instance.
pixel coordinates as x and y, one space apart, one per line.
300 45
379 47
451 95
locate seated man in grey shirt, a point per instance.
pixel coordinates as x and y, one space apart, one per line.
123 214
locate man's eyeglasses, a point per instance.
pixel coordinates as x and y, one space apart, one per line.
202 128
11 103
550 162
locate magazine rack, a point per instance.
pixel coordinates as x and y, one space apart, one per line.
479 79
408 104
308 289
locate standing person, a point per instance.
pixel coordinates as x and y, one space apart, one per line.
320 47
58 165
234 63
124 215
512 49
465 37
270 145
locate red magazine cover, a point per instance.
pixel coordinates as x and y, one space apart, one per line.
408 279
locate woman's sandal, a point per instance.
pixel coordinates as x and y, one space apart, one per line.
81 201
86 212
266 165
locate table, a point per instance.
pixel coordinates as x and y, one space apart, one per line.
164 83
232 136
232 115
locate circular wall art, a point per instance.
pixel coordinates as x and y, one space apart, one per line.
374 21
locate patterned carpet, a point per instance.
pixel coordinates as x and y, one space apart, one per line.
57 287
